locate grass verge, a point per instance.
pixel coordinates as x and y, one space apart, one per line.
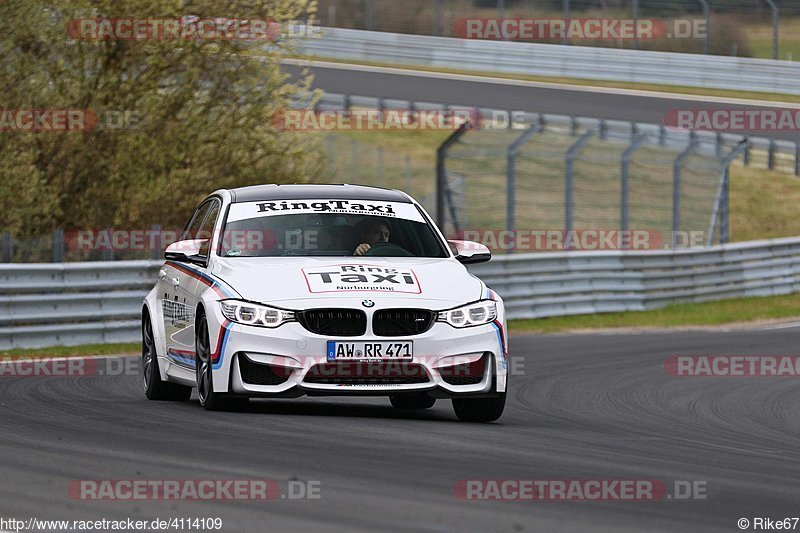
66 351
718 313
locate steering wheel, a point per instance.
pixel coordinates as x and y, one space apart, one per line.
387 249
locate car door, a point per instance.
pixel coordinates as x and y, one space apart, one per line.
177 286
206 232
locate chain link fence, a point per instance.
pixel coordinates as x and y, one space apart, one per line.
564 179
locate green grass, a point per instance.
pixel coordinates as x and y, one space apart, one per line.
759 37
66 351
673 316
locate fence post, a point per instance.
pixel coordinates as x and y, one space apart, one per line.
603 129
407 174
8 247
746 152
368 14
437 17
775 18
381 176
571 154
797 159
329 154
676 189
722 201
635 8
718 147
58 245
707 16
441 171
573 126
565 39
354 159
771 154
624 183
511 175
662 135
501 9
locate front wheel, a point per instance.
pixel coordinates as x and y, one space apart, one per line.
210 400
154 387
479 409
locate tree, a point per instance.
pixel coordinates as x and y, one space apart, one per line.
177 117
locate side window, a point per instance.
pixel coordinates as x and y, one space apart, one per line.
207 228
193 227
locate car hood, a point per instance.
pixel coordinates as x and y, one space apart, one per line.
286 279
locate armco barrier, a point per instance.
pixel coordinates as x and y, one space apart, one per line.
72 303
570 283
582 62
87 303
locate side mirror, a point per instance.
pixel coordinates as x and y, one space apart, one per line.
468 252
186 251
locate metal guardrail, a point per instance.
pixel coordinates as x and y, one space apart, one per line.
87 303
581 62
571 283
72 303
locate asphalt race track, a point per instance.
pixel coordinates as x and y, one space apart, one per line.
504 94
581 407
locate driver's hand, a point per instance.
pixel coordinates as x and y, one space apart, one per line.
362 249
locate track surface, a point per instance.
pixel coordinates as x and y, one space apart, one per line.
586 407
500 95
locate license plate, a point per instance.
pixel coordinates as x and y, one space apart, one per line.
338 351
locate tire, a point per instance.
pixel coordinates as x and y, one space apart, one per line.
412 401
479 409
210 400
154 387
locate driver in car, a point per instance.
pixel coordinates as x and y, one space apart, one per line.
371 231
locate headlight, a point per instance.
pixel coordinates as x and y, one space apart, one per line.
254 314
470 315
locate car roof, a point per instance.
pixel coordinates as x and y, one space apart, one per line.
258 193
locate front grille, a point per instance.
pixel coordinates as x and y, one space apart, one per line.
369 373
262 374
465 373
401 322
339 322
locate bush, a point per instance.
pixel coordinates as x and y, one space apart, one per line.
201 115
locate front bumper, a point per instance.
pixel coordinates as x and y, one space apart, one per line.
290 361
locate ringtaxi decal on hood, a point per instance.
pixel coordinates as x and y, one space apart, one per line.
245 210
342 278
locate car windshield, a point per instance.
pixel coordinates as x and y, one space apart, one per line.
328 228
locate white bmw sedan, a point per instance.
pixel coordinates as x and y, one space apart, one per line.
290 290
